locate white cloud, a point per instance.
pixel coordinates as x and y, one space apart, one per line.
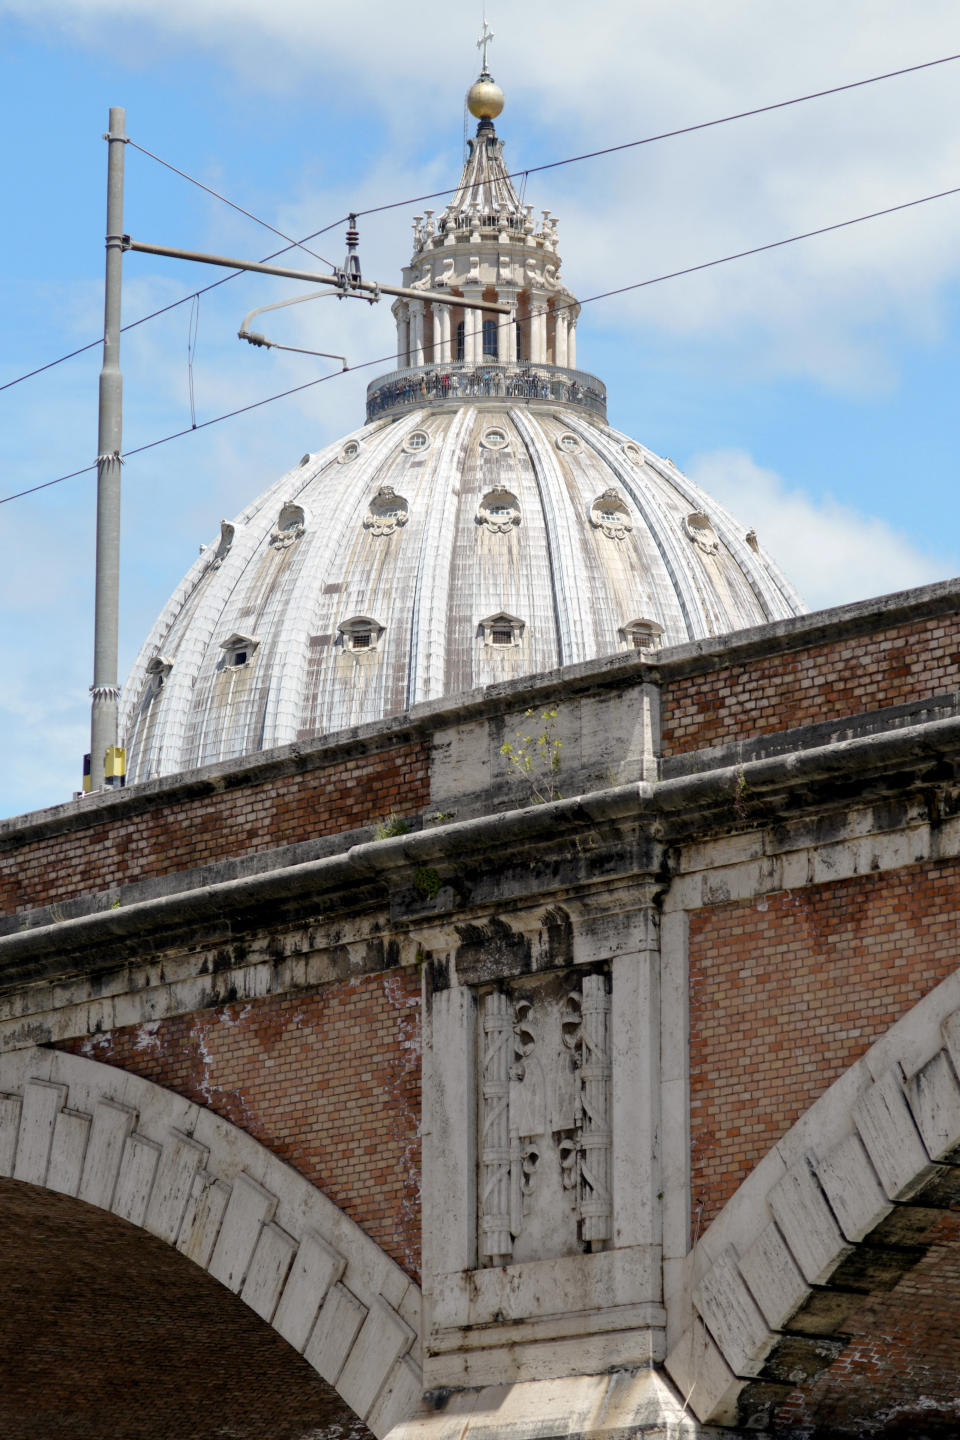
831 552
596 76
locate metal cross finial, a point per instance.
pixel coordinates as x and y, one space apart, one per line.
486 35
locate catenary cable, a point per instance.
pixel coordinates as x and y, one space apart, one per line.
438 194
297 244
590 300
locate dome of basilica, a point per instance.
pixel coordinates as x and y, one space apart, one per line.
485 523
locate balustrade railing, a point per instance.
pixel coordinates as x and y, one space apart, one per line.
493 380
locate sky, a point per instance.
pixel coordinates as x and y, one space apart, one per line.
811 389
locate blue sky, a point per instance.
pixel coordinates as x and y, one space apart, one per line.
812 389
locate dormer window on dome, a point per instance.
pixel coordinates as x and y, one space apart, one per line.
388 512
239 650
360 634
494 438
568 442
642 634
349 452
289 527
416 442
502 630
701 532
158 668
227 532
609 513
499 511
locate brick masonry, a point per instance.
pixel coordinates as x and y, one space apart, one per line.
787 991
897 1376
107 1333
329 1080
838 678
193 830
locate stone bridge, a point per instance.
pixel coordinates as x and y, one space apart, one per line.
576 1059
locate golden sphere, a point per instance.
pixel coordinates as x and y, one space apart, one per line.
485 100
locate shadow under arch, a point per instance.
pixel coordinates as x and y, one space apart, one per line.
838 1212
86 1130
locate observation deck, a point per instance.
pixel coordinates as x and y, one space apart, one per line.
420 385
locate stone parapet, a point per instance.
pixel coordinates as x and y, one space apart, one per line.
445 384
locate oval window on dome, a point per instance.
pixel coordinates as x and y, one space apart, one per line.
568 441
499 510
633 452
609 514
701 532
417 441
494 438
349 452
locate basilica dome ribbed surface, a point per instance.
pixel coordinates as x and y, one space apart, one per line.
485 524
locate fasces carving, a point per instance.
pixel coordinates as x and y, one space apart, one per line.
545 1143
496 1239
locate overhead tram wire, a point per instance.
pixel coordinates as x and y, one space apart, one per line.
673 134
293 244
439 194
173 305
590 300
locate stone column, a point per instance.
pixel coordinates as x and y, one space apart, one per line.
507 331
403 333
538 335
561 321
416 332
473 330
443 314
436 333
572 341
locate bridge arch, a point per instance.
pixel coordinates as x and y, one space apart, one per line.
817 1208
193 1180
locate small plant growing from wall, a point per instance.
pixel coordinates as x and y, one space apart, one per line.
536 757
427 881
393 825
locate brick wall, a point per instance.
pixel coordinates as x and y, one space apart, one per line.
896 1379
819 682
787 991
185 831
329 1080
107 1333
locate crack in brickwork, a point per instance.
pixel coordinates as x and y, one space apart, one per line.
839 678
328 1080
786 992
188 831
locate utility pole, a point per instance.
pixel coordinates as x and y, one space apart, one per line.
105 688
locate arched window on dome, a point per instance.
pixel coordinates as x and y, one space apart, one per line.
461 344
489 339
